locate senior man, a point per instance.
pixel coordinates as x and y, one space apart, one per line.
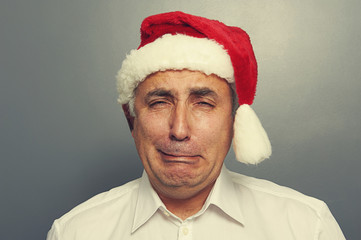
180 92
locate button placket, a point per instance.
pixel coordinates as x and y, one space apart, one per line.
185 231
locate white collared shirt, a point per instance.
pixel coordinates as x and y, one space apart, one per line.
238 207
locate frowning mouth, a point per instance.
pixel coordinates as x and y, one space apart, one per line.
179 157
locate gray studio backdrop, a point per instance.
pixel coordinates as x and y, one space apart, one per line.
63 137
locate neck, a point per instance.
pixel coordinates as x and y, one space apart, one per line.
184 208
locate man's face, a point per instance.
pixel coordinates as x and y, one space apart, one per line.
183 129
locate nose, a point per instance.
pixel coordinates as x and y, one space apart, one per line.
179 124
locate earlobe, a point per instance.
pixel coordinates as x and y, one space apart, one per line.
129 117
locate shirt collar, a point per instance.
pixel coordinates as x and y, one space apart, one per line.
148 203
223 195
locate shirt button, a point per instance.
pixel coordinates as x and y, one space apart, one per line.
185 230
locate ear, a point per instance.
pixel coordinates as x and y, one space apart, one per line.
129 117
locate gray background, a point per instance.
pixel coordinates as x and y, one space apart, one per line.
64 138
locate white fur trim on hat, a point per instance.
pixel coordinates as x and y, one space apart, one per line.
250 141
172 52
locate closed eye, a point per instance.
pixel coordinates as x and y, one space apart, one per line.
157 103
205 104
158 97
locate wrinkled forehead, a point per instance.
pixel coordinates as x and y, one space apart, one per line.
184 81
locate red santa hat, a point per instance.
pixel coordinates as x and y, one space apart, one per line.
176 41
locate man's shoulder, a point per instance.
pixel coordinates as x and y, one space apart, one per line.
116 197
273 192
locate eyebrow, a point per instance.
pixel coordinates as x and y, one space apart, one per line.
203 92
159 92
197 92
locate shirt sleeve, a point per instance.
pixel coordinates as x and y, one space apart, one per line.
53 233
328 229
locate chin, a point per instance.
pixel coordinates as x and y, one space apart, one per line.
180 179
182 185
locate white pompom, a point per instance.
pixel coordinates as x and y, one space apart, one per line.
250 141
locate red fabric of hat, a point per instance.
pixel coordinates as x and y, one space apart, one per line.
233 39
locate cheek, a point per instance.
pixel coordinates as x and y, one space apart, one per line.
214 131
150 127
